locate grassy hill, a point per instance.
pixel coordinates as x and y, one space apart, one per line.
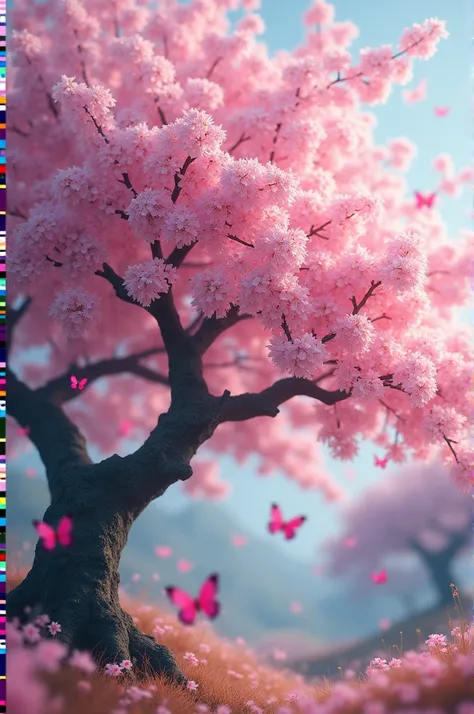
400 637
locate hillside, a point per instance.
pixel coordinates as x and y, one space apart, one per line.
400 637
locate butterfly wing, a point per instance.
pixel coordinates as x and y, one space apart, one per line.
64 530
420 199
276 519
82 383
73 382
379 578
290 528
429 200
186 604
207 597
46 534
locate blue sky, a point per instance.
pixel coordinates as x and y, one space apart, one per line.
448 75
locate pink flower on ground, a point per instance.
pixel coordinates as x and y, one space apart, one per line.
126 664
82 661
113 670
191 685
54 628
31 633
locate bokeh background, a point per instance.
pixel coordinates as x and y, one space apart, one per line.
280 594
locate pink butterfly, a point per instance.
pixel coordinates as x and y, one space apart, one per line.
382 463
417 94
441 111
184 566
125 427
75 384
23 431
163 551
205 602
350 542
379 578
239 540
277 523
422 201
50 537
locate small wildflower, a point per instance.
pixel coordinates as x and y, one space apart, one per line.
54 628
113 670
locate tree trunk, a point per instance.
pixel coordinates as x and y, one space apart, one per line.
439 565
77 585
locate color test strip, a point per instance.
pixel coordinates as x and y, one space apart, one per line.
3 208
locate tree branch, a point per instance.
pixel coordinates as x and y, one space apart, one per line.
266 403
178 255
58 390
184 360
59 441
213 327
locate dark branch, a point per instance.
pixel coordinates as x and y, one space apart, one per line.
58 390
59 442
358 306
178 176
178 255
266 403
240 240
239 141
213 327
117 283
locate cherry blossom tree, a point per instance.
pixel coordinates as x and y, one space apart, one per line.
415 511
206 233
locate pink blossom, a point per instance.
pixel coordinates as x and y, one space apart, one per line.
31 633
191 685
147 281
301 356
321 13
113 670
356 332
82 661
54 628
75 310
